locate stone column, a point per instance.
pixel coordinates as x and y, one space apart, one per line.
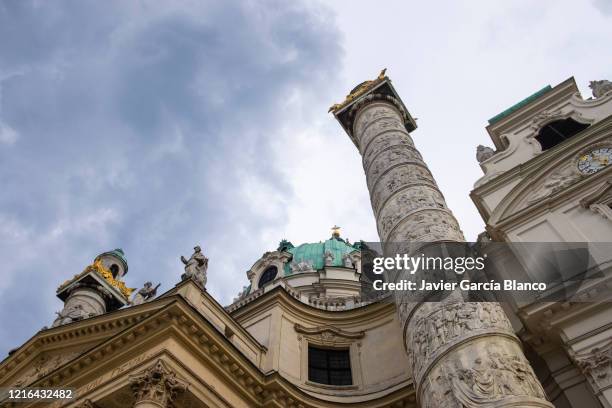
461 354
156 387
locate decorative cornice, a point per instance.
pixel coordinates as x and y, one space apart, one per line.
100 328
533 172
597 194
326 330
562 91
178 318
334 304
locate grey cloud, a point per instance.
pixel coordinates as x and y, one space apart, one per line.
604 6
133 126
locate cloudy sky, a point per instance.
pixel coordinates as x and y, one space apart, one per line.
153 126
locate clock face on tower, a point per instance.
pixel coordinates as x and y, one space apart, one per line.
595 160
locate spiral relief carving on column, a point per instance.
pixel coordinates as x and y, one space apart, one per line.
461 354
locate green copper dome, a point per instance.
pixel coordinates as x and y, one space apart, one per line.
117 253
314 253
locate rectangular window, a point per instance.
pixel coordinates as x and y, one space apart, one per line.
329 366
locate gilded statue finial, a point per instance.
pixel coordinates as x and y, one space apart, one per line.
360 90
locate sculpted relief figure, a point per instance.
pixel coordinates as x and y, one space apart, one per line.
145 294
196 267
554 183
494 376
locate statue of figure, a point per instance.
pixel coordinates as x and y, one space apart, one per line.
600 88
145 294
196 267
73 314
301 266
242 294
484 153
346 260
329 258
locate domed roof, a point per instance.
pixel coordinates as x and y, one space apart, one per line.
314 253
119 254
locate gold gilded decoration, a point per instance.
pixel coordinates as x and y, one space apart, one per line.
101 270
98 267
361 89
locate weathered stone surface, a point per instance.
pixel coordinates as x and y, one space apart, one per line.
461 354
156 386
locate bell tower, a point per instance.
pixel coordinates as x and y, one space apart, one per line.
462 354
97 290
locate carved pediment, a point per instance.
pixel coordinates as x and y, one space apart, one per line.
327 335
553 175
557 181
43 365
52 348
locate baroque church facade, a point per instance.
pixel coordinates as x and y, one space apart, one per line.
301 334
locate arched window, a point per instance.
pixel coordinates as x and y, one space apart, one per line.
559 131
268 276
114 270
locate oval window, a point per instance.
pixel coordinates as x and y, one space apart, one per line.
268 276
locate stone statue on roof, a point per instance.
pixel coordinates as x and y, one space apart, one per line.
484 153
600 88
301 266
347 261
196 267
329 258
73 313
145 294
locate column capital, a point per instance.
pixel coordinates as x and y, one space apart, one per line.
378 89
597 365
157 385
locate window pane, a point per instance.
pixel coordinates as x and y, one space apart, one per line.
340 377
339 359
318 375
317 358
327 366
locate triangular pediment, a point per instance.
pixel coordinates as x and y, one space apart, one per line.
52 348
